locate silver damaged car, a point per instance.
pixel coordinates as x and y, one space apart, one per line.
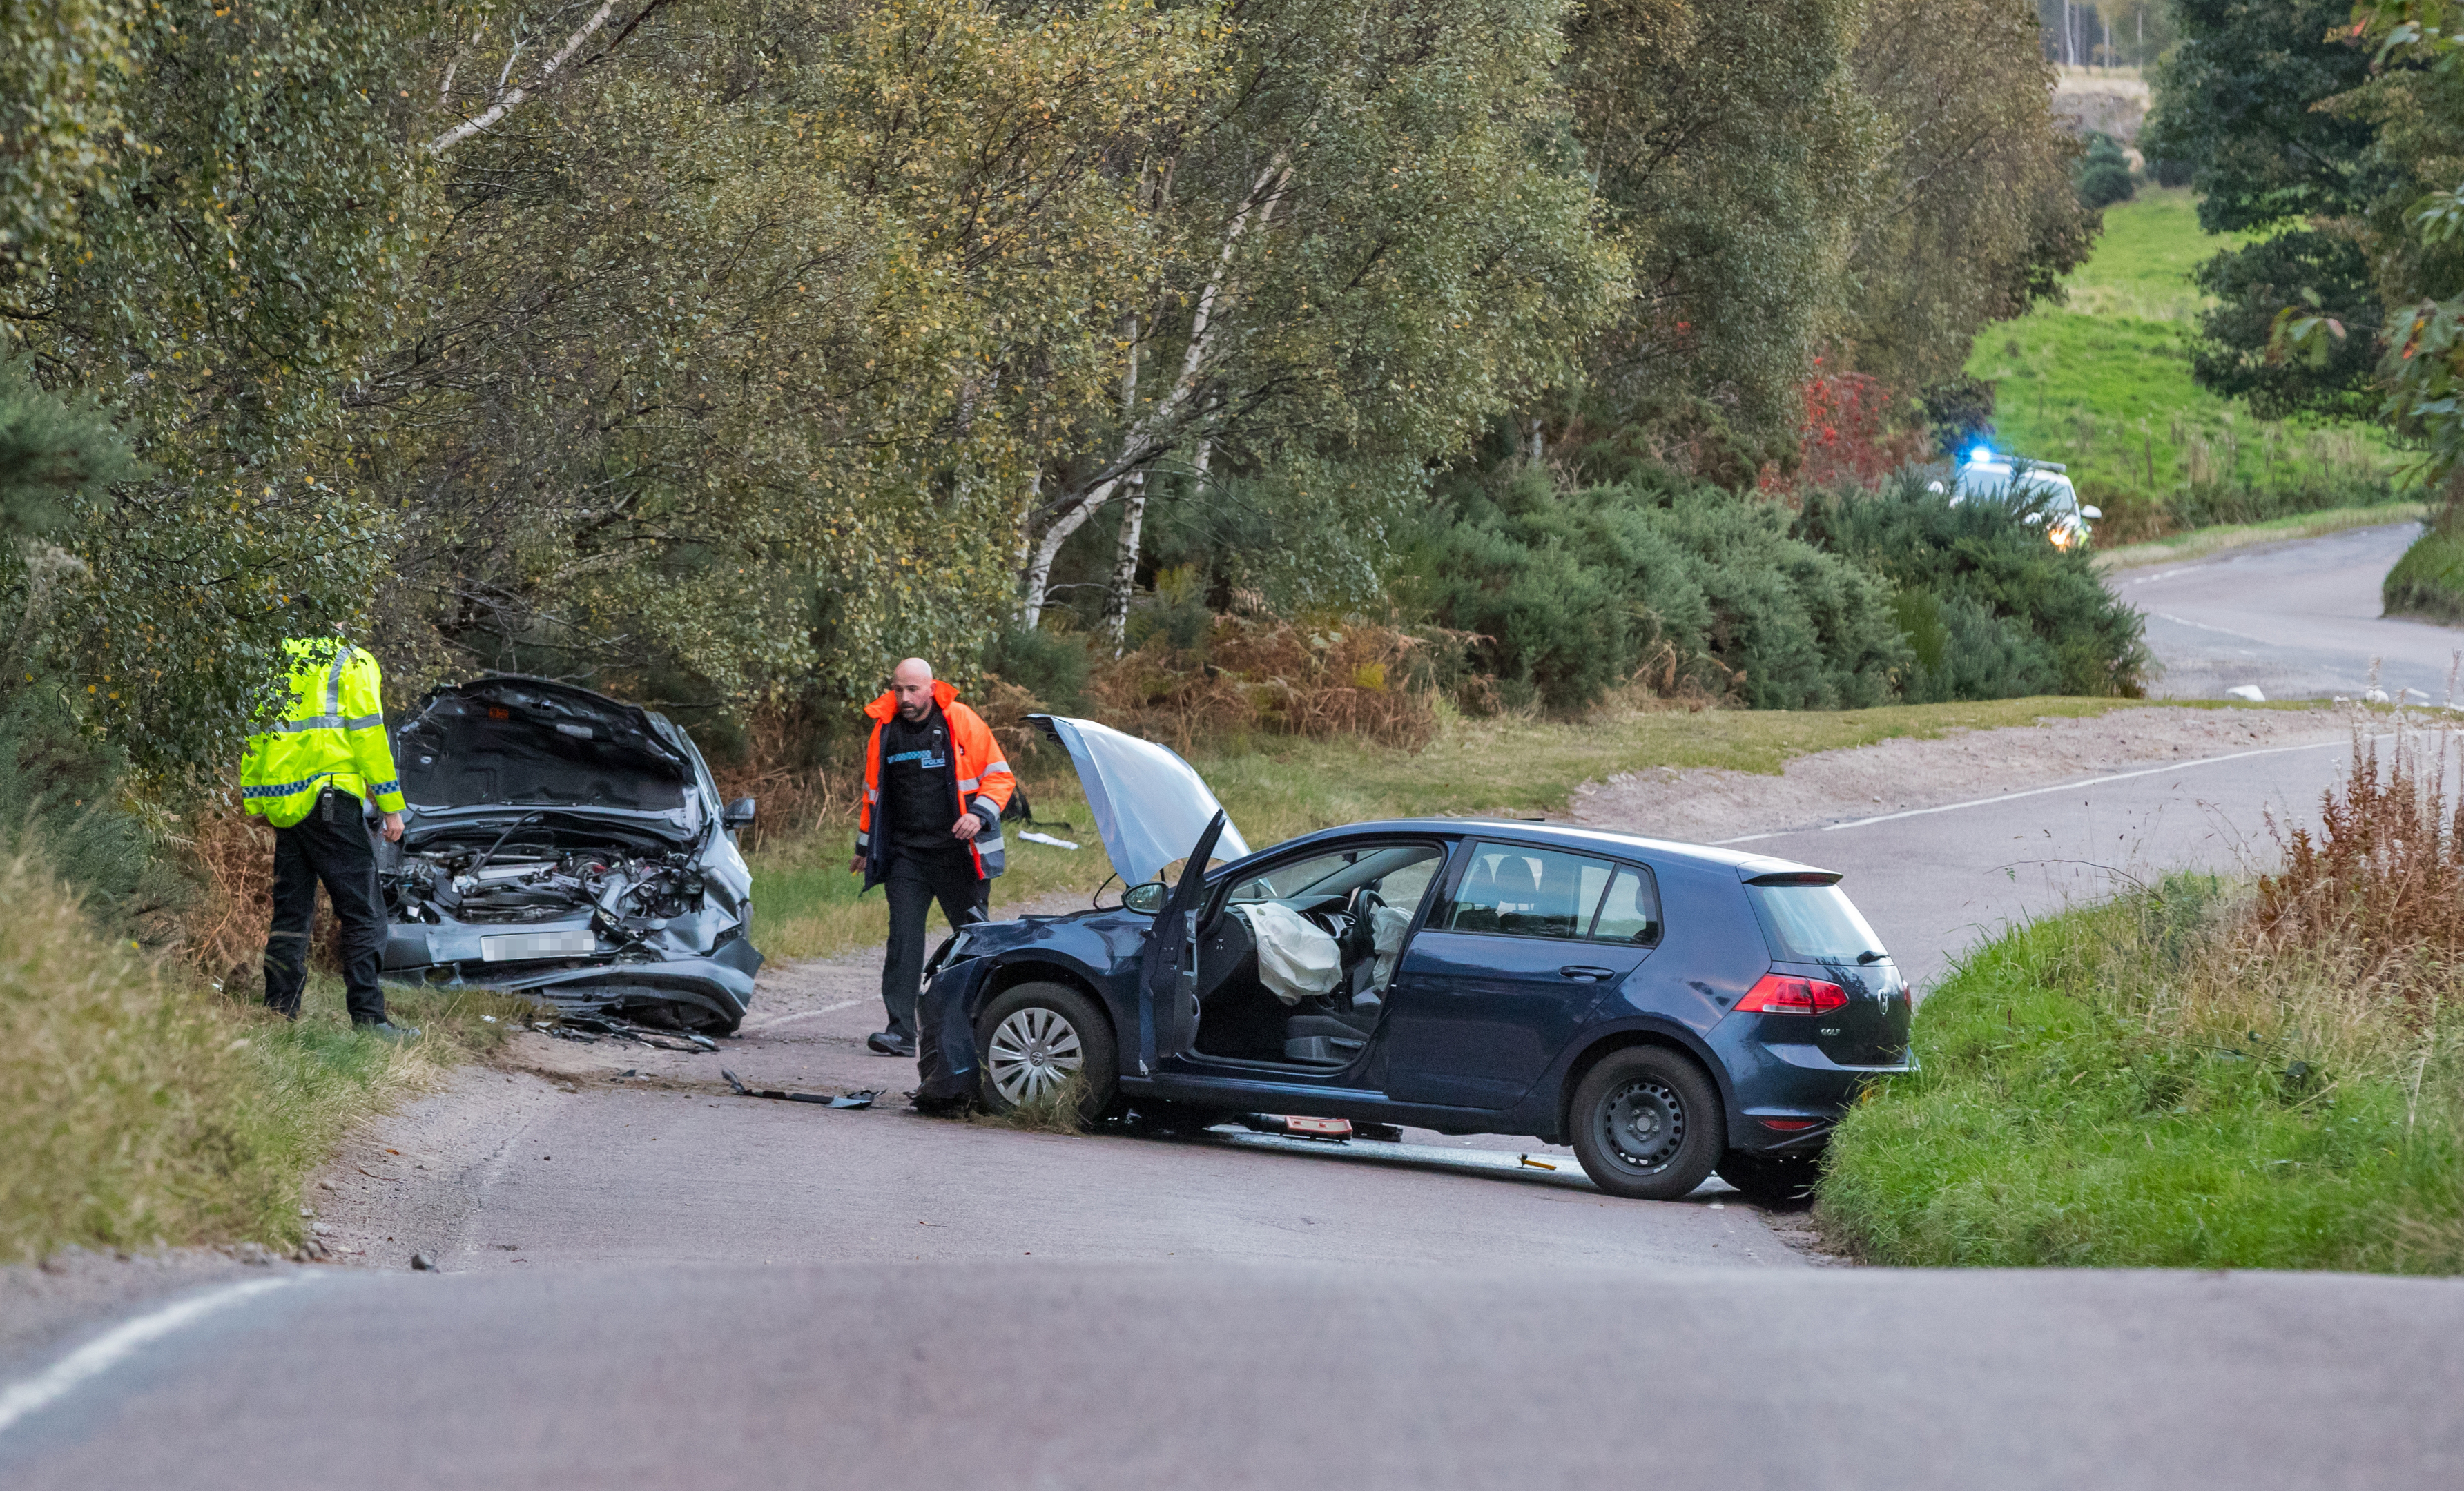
564 846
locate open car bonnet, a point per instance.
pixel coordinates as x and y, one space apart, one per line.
504 741
1150 806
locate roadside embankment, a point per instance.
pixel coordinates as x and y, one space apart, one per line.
2429 581
142 1111
2203 1074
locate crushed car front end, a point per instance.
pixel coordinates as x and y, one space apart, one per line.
571 849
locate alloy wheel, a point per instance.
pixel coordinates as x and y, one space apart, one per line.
1643 1123
1032 1052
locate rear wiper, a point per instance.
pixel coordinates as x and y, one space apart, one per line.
1872 956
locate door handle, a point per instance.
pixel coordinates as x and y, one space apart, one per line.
1586 973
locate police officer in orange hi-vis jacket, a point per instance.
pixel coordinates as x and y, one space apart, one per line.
934 784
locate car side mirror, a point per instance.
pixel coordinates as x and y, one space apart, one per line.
737 813
2033 518
2091 512
1148 898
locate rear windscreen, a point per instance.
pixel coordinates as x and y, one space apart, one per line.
1812 924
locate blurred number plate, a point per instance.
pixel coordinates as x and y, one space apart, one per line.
514 946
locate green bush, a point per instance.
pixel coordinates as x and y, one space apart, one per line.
2429 581
1048 663
1572 594
1964 651
1981 554
60 784
2101 174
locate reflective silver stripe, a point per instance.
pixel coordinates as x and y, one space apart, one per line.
989 811
292 727
970 784
872 796
998 769
362 721
334 679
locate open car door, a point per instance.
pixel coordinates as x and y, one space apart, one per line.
1168 974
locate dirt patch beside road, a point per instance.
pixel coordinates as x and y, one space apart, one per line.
1709 804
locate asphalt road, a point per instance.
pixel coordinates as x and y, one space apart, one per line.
1936 881
2297 620
1034 1374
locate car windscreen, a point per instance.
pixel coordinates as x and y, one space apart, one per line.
1813 924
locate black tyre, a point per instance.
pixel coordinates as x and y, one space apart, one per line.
1647 1124
1781 1180
1034 1038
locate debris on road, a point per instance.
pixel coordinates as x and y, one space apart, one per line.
862 1098
422 1263
586 1029
1333 1129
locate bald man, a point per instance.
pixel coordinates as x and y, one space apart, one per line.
934 784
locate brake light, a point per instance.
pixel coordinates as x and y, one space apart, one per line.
1789 1125
1778 994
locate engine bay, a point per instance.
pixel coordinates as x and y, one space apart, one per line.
531 883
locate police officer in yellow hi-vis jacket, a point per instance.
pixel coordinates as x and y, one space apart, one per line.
315 774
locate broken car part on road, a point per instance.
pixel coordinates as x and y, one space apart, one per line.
858 1099
564 846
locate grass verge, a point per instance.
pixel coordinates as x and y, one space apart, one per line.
142 1111
1276 788
2429 581
2202 1074
2200 542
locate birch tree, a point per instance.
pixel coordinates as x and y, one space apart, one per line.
1369 238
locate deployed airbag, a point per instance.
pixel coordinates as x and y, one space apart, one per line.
1296 960
1387 925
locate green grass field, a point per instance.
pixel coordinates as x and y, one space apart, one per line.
2103 384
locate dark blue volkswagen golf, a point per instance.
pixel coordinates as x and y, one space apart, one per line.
1666 1009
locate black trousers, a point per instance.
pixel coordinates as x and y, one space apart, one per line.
913 883
330 844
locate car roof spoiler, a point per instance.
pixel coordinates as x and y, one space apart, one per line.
1785 872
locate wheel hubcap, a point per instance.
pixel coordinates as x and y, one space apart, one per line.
1033 1051
1643 1125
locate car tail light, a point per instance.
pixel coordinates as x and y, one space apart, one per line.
1788 1124
1778 994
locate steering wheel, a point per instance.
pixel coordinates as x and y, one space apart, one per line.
1362 942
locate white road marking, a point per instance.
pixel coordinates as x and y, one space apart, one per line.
115 1344
2183 620
2037 792
826 1009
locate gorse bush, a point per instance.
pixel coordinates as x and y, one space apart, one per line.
2054 625
1569 595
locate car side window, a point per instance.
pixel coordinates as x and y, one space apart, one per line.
1629 912
1528 892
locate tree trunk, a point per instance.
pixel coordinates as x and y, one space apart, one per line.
1125 566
